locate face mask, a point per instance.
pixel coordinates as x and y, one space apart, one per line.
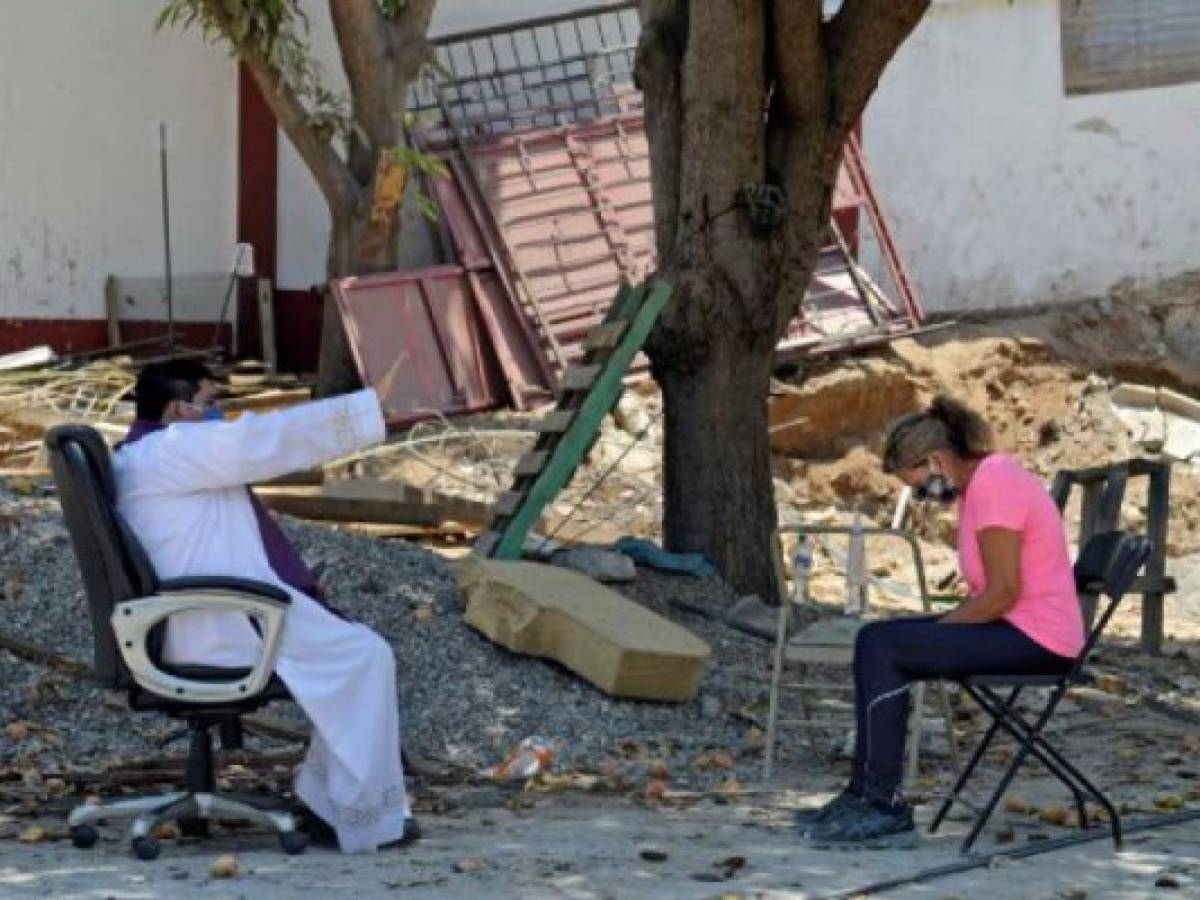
212 414
937 488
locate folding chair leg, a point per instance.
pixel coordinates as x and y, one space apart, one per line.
1066 772
971 763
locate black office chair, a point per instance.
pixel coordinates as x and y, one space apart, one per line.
1107 564
129 606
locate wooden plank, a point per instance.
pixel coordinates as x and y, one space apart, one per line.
605 337
266 323
370 500
1157 519
531 463
579 378
112 309
266 401
592 410
555 422
616 644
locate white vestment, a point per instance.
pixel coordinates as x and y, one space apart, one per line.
183 491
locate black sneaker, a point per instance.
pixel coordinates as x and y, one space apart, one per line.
862 825
412 834
806 817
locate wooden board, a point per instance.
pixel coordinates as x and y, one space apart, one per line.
371 500
619 646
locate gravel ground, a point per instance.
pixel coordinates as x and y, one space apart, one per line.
463 699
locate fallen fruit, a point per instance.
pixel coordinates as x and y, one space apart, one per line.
224 866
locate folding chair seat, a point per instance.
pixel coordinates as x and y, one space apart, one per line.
1107 564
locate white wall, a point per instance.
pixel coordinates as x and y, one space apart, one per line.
1004 192
82 86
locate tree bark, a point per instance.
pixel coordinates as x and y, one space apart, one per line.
717 489
739 93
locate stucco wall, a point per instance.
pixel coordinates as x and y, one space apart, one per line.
1002 191
82 88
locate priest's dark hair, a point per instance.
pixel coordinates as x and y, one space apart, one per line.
161 383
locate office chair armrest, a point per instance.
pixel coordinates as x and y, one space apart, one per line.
133 621
225 582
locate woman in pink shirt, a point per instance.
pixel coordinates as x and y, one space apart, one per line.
1021 613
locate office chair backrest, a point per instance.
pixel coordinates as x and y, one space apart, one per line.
112 562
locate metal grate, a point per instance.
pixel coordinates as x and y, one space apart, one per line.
550 71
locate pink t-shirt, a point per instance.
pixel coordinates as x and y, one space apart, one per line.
1001 494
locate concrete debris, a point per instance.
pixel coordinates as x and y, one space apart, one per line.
596 562
617 645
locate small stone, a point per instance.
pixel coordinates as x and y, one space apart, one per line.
166 831
224 866
55 787
424 614
468 866
16 731
729 786
1005 835
1170 882
651 854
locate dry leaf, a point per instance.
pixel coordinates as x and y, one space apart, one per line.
34 834
722 760
424 614
166 831
658 769
756 738
468 865
16 730
655 789
1017 804
1168 801
1055 815
729 786
225 866
1191 742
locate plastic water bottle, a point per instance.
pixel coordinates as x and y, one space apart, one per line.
801 568
856 569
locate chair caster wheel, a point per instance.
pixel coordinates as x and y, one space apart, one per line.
293 842
84 836
145 848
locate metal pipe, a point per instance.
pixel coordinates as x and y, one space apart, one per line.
166 217
988 859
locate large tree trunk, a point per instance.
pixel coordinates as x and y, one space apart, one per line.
745 99
718 490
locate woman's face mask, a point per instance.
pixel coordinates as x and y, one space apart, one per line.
936 487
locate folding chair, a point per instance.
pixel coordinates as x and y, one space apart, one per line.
1108 564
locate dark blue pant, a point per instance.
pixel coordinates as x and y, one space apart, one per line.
889 656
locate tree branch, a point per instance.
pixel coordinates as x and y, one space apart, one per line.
658 66
328 169
381 57
861 40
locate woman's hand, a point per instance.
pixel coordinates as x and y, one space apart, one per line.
1000 549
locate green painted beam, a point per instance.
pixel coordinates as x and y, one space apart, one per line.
574 443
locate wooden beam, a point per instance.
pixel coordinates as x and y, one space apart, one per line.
374 501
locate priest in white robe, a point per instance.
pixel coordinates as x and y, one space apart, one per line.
182 477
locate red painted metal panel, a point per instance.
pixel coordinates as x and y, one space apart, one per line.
418 339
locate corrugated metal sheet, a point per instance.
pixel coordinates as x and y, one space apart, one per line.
419 339
572 206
